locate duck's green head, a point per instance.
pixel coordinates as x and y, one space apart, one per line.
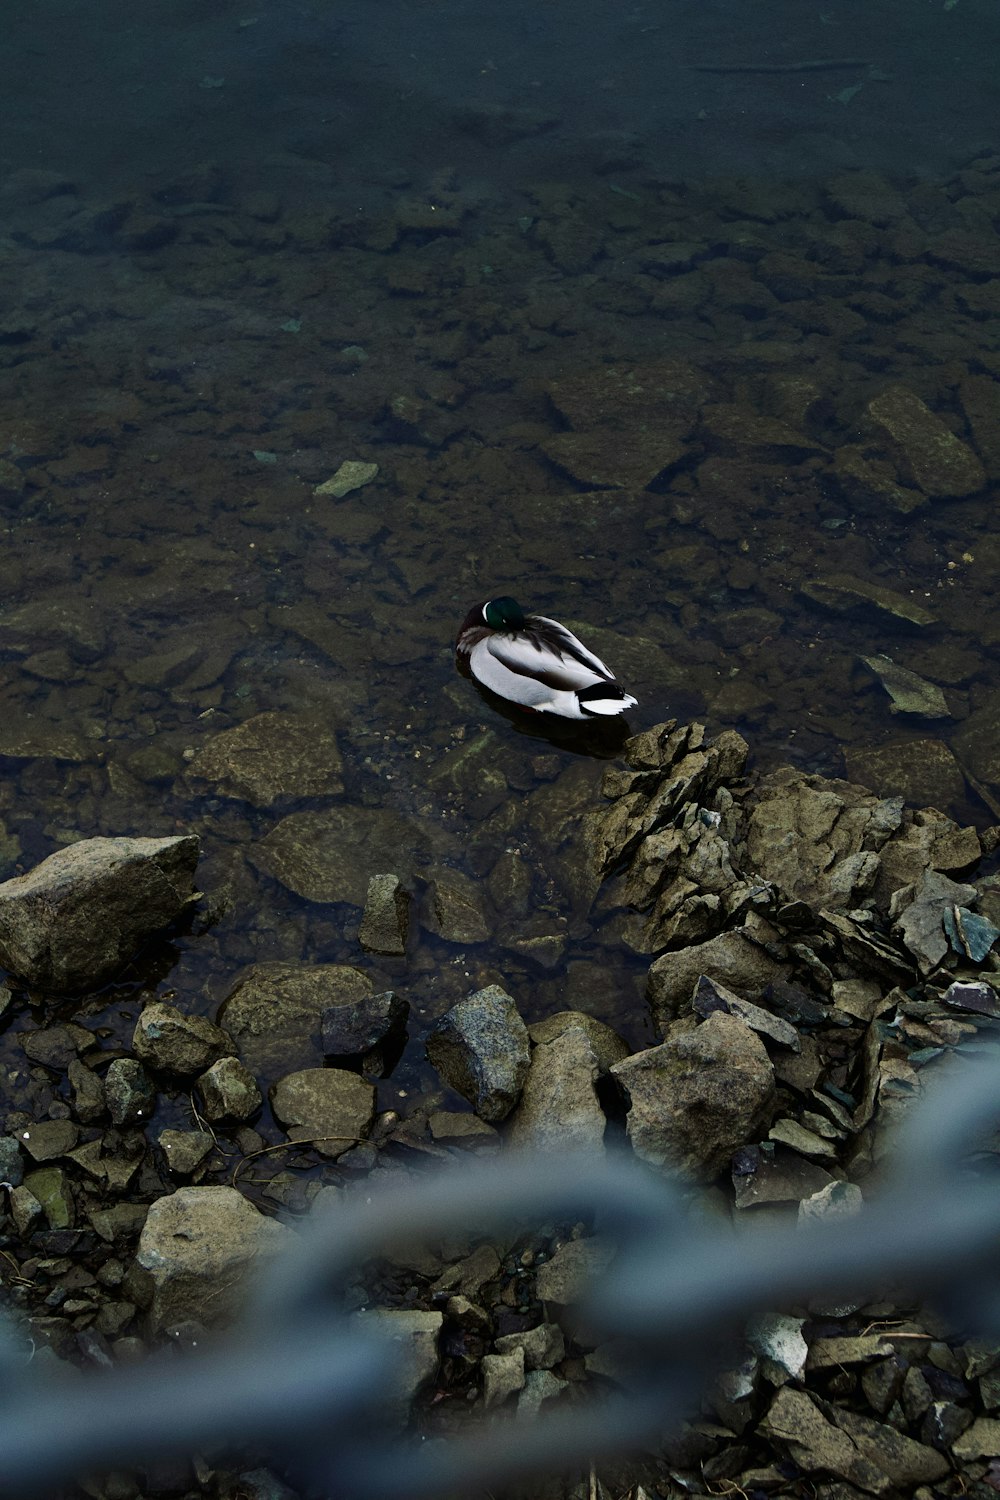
503 614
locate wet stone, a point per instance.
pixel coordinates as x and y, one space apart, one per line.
567 1276
228 1091
480 1047
173 1042
449 1127
805 1142
503 1376
56 1046
88 1092
11 1162
458 912
540 1388
80 914
413 1363
275 1013
386 916
558 1109
768 1174
52 1191
608 1047
129 1092
710 995
975 996
837 1200
354 1026
920 922
731 958
47 1139
927 451
25 1210
271 758
329 1107
543 1346
185 1150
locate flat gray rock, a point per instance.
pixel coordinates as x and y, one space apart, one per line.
328 1107
331 854
83 912
271 758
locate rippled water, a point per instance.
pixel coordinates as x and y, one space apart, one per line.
187 356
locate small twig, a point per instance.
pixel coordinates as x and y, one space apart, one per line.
314 1140
885 1330
820 65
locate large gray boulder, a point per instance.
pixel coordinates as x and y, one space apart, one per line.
695 1099
197 1247
83 912
480 1047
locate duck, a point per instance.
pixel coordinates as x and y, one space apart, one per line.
536 663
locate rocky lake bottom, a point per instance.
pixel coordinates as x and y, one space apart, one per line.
256 461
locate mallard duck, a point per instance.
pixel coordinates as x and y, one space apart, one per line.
536 663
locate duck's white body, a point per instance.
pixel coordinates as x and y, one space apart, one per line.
537 663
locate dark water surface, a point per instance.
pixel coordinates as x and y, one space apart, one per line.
609 321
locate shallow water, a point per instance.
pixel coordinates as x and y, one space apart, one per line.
263 244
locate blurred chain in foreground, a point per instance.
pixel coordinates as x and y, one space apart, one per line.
303 1380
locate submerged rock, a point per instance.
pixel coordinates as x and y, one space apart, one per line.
925 772
458 913
387 916
844 593
271 758
197 1246
330 855
84 911
927 451
480 1047
275 1013
910 693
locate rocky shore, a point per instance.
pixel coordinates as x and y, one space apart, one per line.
814 949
